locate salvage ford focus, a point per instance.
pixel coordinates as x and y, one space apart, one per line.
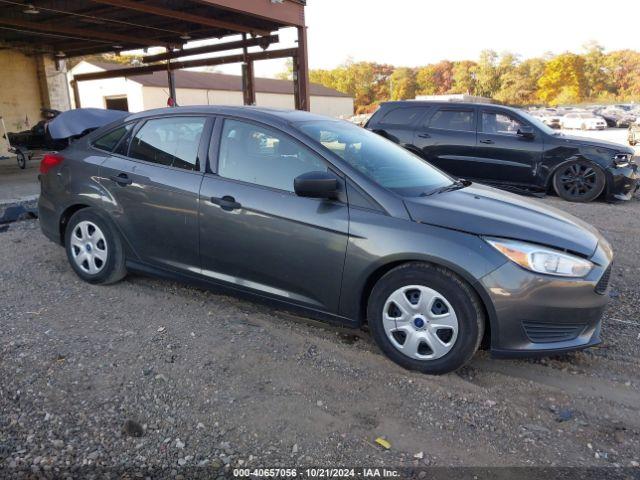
325 216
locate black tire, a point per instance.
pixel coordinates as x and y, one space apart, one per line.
579 181
22 160
463 299
112 269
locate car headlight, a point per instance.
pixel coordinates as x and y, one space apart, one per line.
621 160
539 259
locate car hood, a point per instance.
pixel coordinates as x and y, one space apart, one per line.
591 142
483 210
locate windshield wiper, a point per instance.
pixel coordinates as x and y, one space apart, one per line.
457 185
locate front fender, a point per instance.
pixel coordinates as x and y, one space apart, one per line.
376 240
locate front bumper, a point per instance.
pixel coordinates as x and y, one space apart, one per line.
623 183
542 315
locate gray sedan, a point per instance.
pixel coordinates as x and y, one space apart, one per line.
324 216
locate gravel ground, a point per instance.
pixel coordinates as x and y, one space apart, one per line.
151 374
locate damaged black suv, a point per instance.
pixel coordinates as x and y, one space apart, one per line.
509 148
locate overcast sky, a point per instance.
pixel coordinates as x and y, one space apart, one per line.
417 32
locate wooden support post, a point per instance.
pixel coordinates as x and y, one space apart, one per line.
248 78
172 86
76 93
248 83
301 72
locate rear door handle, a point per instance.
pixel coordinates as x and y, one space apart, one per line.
424 135
487 141
227 203
121 179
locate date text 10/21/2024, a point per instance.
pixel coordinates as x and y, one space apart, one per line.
316 473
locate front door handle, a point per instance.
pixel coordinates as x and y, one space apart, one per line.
121 179
424 135
227 203
487 141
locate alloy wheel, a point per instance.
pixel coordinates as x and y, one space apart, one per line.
578 180
420 322
88 247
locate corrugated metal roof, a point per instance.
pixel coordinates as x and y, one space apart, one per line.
219 81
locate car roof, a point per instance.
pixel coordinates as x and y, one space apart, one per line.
429 103
270 115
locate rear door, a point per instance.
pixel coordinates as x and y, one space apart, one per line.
506 155
154 181
447 139
256 233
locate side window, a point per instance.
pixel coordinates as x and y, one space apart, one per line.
109 141
172 141
402 116
263 156
453 119
499 123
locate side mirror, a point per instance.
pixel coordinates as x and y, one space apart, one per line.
316 185
526 131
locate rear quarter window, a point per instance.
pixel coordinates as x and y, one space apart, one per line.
109 141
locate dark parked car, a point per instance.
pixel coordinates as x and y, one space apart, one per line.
508 147
325 216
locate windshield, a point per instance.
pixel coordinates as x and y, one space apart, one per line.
536 122
384 162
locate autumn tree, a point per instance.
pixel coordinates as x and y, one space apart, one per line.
464 78
624 68
597 76
552 79
366 82
519 85
435 79
403 84
563 80
487 74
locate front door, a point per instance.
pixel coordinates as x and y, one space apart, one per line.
507 156
154 188
256 233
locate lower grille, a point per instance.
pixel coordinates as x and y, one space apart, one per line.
603 283
541 332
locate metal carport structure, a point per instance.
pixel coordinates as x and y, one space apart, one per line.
72 28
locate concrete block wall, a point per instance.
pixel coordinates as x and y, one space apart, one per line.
20 100
29 83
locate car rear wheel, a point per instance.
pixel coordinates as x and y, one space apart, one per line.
22 160
579 181
425 318
94 248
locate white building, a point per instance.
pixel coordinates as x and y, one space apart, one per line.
144 92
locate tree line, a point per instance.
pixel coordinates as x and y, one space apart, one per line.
567 78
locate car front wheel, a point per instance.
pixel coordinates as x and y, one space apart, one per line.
425 318
579 181
94 248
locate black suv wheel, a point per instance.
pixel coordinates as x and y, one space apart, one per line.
579 181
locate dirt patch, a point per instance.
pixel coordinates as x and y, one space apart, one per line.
213 380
